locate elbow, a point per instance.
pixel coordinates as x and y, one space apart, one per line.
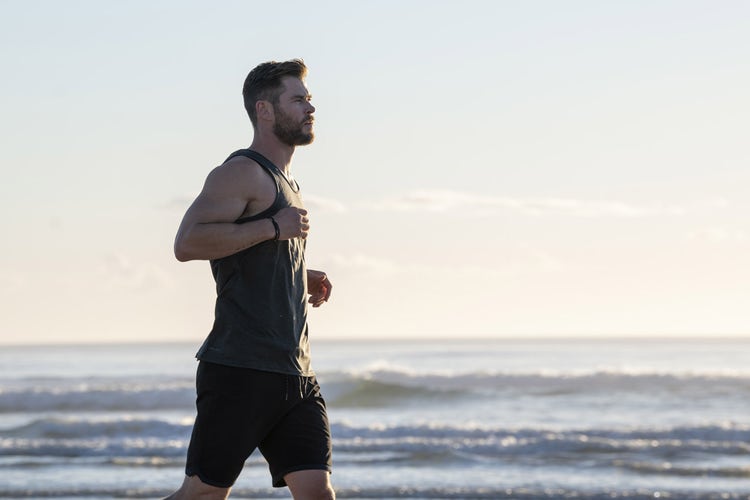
181 251
181 255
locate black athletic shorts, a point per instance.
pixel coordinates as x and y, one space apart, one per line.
240 409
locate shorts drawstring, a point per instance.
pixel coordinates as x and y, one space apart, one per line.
301 386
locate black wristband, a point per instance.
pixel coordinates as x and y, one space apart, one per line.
275 228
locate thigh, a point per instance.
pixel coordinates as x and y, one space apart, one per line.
236 408
301 440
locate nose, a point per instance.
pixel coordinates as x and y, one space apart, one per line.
310 108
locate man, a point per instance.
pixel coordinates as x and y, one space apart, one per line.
256 387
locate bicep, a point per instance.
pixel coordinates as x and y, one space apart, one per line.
207 209
219 201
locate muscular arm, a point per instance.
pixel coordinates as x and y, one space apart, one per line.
208 230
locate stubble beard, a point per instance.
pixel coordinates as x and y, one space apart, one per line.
289 132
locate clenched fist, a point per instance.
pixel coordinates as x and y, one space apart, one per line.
293 223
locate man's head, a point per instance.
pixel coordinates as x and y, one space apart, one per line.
265 83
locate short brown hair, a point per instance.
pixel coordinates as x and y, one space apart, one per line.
263 83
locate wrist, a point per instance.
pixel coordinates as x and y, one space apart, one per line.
276 230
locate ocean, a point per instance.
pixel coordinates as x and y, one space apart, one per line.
459 419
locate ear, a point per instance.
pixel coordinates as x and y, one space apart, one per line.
264 110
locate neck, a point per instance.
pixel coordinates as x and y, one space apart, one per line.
279 153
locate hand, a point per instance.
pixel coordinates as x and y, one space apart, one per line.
293 223
318 287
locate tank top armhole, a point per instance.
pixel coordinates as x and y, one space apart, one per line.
247 153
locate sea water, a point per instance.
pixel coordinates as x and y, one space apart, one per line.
527 419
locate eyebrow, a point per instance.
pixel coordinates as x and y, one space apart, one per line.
302 96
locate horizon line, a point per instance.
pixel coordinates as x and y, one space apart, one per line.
409 339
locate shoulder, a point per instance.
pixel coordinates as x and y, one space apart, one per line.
235 169
238 173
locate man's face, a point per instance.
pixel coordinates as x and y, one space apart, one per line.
293 114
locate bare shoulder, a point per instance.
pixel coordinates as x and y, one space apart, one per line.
241 183
238 173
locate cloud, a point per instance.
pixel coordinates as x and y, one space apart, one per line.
364 263
121 273
511 261
443 200
720 235
177 204
446 200
312 202
14 282
320 204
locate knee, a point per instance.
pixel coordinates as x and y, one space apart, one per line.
310 485
328 494
324 493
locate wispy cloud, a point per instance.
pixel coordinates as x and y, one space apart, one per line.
437 200
177 204
14 282
443 200
120 272
512 261
364 263
720 235
312 202
320 204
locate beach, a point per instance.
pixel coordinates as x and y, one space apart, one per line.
563 418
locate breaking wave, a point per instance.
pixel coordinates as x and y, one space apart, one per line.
151 441
368 388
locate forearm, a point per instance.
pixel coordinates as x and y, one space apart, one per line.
206 241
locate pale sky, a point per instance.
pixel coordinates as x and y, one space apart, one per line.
481 168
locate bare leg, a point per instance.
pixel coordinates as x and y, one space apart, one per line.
194 489
310 485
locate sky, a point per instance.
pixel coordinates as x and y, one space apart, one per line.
481 168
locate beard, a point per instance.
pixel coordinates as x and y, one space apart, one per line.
289 132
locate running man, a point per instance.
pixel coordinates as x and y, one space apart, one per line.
255 384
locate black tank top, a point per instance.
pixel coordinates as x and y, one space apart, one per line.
261 307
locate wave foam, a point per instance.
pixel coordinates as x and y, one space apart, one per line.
368 388
653 451
387 493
